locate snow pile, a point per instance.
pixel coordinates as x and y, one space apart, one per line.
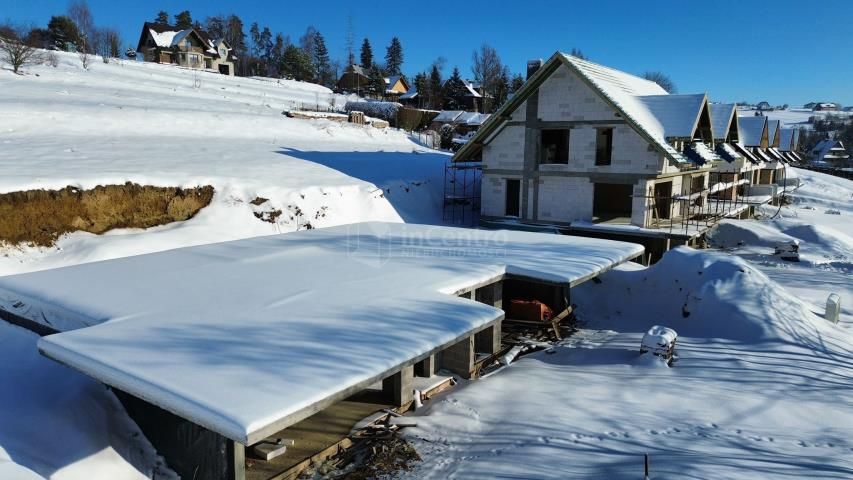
61 424
167 126
761 388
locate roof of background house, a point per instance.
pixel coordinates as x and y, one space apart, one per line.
722 116
392 80
623 90
168 36
751 129
246 337
448 116
676 114
357 69
830 148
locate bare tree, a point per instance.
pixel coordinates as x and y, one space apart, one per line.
83 54
663 80
106 43
81 15
15 49
487 68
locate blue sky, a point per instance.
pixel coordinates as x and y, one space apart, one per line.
734 50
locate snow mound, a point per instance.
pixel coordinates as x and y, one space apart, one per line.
705 295
61 425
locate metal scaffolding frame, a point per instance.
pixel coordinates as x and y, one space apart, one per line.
700 209
462 185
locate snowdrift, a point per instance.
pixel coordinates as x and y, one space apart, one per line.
761 388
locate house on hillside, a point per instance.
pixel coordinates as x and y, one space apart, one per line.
354 79
467 97
830 153
594 151
825 107
190 47
763 106
395 86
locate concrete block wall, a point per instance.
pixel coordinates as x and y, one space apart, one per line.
399 387
640 205
493 194
565 97
506 151
459 358
565 199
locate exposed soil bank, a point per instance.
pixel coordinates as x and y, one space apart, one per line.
39 217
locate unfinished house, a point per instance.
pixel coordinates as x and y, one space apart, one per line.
256 358
730 178
596 151
190 48
789 144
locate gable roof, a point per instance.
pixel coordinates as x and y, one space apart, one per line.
752 130
830 149
168 36
448 116
722 116
678 115
772 131
622 91
789 139
391 81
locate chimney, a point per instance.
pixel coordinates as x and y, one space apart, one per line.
533 66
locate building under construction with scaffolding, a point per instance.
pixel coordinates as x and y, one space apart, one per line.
587 150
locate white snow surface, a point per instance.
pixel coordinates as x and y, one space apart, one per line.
761 388
321 310
63 425
147 123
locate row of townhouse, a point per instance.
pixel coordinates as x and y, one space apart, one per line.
594 151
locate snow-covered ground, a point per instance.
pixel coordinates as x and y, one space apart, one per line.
167 126
62 425
762 387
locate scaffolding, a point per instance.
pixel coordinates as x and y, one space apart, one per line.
695 211
462 184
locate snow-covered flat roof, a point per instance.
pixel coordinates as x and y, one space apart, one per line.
245 337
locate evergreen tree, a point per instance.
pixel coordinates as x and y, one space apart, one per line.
516 83
501 90
184 20
377 81
366 54
276 56
237 39
576 52
320 60
394 57
215 27
296 64
435 95
454 90
162 17
421 83
63 32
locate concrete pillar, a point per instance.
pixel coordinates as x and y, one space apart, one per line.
459 358
398 388
490 295
426 367
488 340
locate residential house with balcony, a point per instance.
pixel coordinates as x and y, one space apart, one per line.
190 48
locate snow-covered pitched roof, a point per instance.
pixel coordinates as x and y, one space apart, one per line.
472 92
786 139
478 119
676 114
832 149
751 130
722 115
412 93
448 116
244 337
772 130
166 39
625 90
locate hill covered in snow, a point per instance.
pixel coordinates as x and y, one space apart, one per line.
167 126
